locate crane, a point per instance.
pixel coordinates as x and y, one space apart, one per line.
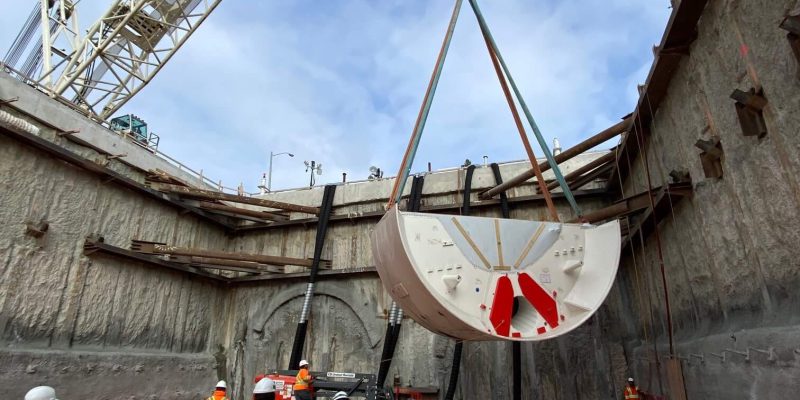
119 55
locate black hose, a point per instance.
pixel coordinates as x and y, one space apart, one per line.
454 371
393 329
385 361
503 198
322 228
516 374
467 190
457 349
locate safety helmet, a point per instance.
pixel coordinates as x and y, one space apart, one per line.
221 384
41 393
265 385
630 380
303 363
340 396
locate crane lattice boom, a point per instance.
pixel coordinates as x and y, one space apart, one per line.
120 53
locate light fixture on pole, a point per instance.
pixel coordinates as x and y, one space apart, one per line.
269 178
375 173
313 166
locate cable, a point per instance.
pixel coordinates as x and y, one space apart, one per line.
422 117
521 129
24 36
643 152
322 228
542 143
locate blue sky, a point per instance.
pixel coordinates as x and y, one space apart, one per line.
341 82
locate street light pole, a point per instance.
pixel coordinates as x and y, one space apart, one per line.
269 175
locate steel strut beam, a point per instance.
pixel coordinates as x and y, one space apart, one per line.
214 195
141 246
567 154
575 175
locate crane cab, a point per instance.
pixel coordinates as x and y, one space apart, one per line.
135 128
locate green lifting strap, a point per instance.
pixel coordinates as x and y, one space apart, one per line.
542 143
426 107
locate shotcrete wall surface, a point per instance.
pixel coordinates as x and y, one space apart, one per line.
101 326
730 251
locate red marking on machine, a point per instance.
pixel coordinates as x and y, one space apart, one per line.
540 330
502 306
544 304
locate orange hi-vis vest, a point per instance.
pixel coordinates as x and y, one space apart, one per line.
631 392
302 380
218 395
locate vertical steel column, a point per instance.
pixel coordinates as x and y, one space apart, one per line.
322 228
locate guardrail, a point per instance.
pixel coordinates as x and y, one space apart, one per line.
151 145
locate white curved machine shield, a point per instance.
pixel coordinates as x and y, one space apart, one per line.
477 278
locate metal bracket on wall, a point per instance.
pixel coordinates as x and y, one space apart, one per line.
680 176
721 355
67 133
749 109
711 157
791 23
700 357
7 101
36 229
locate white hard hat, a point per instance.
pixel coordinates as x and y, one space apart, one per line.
630 379
265 385
340 396
41 393
222 384
303 362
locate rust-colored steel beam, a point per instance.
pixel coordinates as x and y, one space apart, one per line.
591 176
440 209
213 195
567 154
264 215
625 206
92 245
323 275
242 264
161 248
232 265
637 202
574 175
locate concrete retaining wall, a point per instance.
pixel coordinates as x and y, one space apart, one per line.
730 252
65 318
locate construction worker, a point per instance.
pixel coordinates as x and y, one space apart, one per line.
341 396
631 390
41 393
264 390
302 383
219 391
